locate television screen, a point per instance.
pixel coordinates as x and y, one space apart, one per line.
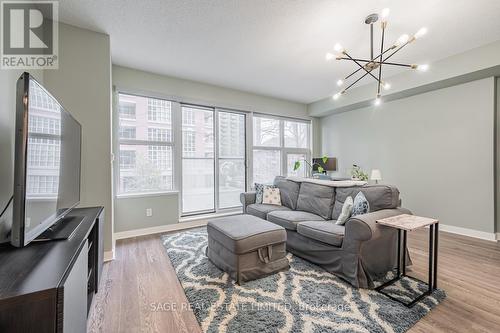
47 162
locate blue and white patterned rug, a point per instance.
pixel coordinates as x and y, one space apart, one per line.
304 299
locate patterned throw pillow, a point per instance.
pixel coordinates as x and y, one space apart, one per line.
361 205
346 211
271 196
259 191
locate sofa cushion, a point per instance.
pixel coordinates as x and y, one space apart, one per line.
289 219
378 196
317 199
324 231
261 210
289 191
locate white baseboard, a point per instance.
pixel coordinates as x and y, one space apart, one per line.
498 236
159 229
489 236
109 255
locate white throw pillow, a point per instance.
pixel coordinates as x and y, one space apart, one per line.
346 211
271 196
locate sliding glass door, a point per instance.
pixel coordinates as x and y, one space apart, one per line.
198 160
212 178
231 158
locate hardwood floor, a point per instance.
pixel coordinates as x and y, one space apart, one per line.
139 288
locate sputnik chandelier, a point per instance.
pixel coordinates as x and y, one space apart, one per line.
373 66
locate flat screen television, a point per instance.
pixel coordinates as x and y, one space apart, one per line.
46 162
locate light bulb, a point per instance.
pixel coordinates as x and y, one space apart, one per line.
377 101
338 48
329 56
421 32
336 96
422 68
402 40
387 86
340 82
385 13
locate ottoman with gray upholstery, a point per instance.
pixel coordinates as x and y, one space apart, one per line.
246 247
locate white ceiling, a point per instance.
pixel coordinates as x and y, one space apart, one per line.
275 47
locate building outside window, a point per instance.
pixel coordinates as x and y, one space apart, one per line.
44 149
145 144
159 110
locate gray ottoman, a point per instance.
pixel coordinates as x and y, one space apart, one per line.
246 247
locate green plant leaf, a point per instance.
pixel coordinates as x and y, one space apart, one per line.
296 165
320 169
325 159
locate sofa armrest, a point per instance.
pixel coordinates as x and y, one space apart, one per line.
365 227
247 198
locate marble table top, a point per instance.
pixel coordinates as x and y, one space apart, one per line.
407 222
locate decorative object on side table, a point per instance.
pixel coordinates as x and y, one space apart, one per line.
357 173
405 223
376 175
320 168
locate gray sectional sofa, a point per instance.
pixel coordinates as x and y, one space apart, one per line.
360 252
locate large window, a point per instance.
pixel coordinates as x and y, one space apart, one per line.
277 144
145 139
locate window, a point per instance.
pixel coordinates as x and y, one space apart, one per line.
188 117
38 185
146 145
188 143
266 132
159 110
296 134
159 134
127 132
126 109
277 144
44 125
127 159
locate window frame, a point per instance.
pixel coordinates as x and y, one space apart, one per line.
118 142
284 151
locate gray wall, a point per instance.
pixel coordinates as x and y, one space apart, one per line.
8 79
83 86
130 212
436 147
196 92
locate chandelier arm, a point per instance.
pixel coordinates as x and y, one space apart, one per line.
348 76
362 67
383 62
393 53
380 62
357 80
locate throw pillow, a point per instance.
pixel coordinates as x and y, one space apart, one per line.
360 205
259 191
346 211
271 196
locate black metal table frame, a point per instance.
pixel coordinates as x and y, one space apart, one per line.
433 259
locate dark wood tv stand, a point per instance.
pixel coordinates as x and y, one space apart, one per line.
48 286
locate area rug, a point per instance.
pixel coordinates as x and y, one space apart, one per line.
304 299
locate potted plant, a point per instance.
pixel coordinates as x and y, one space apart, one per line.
297 165
358 174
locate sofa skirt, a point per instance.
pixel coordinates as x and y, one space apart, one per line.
251 265
361 265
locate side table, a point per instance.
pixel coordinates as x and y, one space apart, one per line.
405 223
